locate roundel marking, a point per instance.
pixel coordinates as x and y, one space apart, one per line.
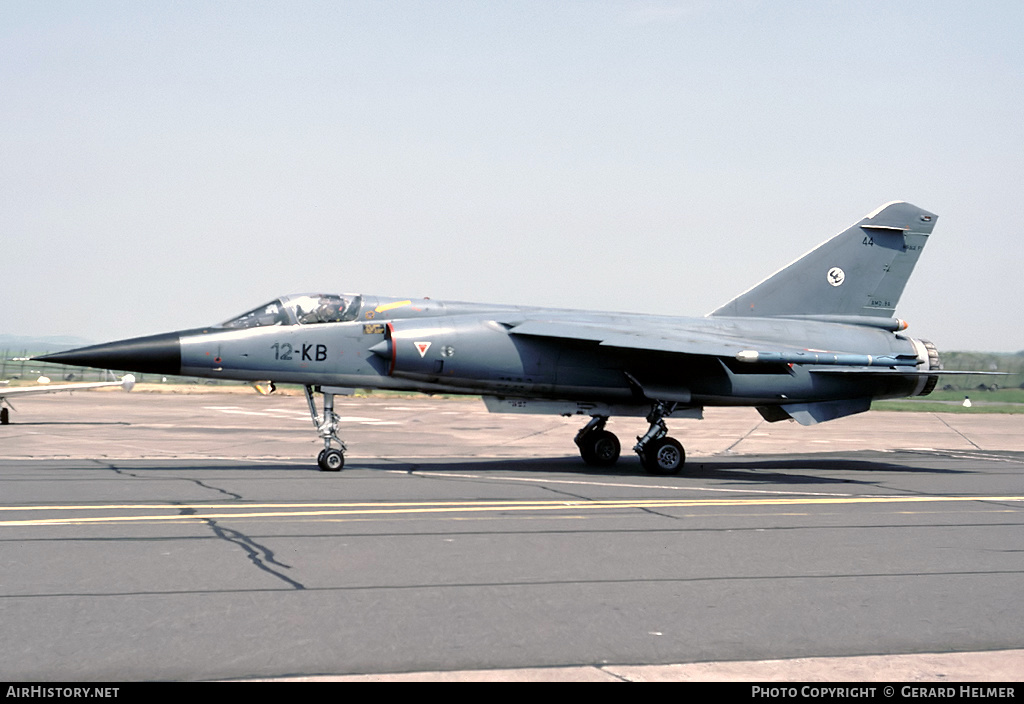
836 276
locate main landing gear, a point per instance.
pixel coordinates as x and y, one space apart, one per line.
599 447
331 458
659 453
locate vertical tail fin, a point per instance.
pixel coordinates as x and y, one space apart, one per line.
861 271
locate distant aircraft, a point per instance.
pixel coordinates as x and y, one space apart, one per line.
126 383
813 342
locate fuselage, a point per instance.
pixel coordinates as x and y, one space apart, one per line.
813 342
432 346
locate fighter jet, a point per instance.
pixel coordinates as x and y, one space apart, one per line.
44 387
815 341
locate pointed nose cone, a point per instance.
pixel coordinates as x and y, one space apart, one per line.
155 354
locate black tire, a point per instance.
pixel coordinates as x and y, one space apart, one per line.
5 416
331 461
600 448
663 457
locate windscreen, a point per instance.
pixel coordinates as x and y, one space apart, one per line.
303 309
322 308
268 314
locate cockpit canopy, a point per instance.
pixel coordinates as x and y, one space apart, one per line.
302 309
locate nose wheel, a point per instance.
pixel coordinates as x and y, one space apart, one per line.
332 457
331 460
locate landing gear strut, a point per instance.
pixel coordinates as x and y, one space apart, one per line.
598 447
660 454
330 459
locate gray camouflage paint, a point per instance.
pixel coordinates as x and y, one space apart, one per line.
764 348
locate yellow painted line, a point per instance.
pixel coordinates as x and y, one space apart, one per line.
447 505
391 306
377 509
534 502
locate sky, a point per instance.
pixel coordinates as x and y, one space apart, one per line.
168 165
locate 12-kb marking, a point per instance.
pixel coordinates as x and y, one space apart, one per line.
283 351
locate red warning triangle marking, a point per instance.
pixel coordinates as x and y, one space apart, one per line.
422 347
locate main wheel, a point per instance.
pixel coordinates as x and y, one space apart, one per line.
5 417
331 461
664 456
600 448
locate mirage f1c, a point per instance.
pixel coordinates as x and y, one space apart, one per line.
816 341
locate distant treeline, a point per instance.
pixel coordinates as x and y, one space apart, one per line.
1011 362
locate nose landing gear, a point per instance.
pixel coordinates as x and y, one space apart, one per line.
331 458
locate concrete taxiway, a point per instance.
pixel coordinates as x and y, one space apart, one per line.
191 537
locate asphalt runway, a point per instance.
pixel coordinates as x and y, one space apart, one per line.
190 537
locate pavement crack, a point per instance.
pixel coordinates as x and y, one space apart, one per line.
651 511
125 473
563 492
225 492
974 444
729 449
610 673
581 497
543 431
259 555
116 469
